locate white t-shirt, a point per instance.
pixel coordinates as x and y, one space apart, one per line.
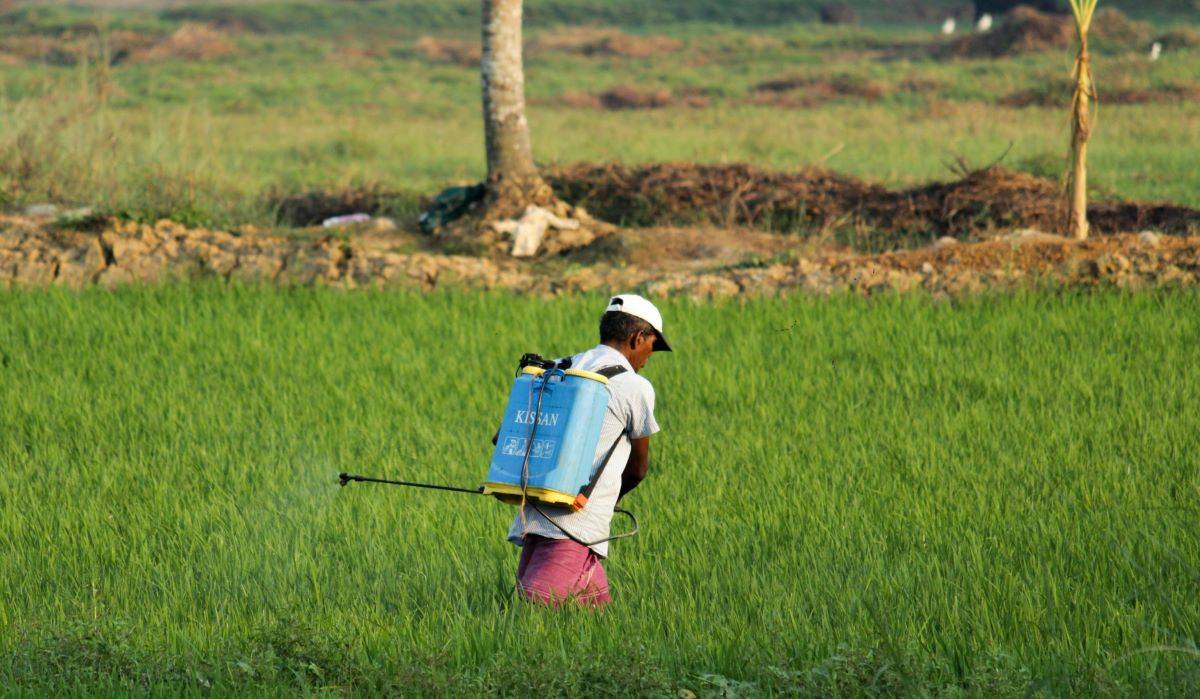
630 409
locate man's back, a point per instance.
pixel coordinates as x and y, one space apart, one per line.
555 564
630 416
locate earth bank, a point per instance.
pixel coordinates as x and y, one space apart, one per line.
693 262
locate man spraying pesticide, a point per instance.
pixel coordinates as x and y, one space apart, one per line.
574 440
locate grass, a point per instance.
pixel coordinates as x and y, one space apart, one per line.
990 497
307 16
205 141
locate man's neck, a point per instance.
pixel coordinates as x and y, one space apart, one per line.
624 352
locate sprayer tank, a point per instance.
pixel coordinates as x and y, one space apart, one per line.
565 433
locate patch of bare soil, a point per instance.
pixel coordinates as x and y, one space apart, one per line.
1017 260
602 42
837 13
191 42
596 42
454 51
1180 38
743 195
74 46
806 91
311 207
1176 93
632 97
1113 26
672 249
702 263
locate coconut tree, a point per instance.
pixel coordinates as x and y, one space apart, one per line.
513 181
1081 119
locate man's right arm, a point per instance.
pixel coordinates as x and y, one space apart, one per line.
637 467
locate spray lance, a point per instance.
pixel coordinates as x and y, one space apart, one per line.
545 449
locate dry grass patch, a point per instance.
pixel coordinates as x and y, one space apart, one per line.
603 42
623 97
1175 93
453 51
808 91
816 199
191 42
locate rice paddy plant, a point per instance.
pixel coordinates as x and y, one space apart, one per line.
850 497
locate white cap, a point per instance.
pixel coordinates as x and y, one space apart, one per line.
640 307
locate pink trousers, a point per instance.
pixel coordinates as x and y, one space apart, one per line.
553 571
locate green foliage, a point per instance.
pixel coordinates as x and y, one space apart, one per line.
221 138
331 106
309 16
417 15
898 496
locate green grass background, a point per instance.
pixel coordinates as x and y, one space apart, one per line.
342 99
988 497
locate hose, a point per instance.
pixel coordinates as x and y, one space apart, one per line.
537 414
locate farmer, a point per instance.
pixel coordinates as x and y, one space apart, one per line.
555 566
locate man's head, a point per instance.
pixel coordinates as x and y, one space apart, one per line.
633 326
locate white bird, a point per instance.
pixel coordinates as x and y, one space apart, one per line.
1156 51
985 23
949 26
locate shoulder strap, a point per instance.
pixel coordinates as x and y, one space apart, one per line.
581 500
610 371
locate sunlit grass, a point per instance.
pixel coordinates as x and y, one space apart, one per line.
206 141
993 497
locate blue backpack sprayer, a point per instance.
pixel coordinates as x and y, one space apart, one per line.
546 445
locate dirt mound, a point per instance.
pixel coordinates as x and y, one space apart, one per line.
821 201
1180 38
804 91
74 46
312 207
1113 26
602 42
1163 94
191 42
837 13
584 41
453 51
1024 30
631 97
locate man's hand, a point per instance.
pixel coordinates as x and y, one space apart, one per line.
638 466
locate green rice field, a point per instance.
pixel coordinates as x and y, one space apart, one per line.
995 496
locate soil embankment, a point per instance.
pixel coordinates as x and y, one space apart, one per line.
697 263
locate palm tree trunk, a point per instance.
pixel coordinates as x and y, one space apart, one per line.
513 180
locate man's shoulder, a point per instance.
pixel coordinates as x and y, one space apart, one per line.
632 383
